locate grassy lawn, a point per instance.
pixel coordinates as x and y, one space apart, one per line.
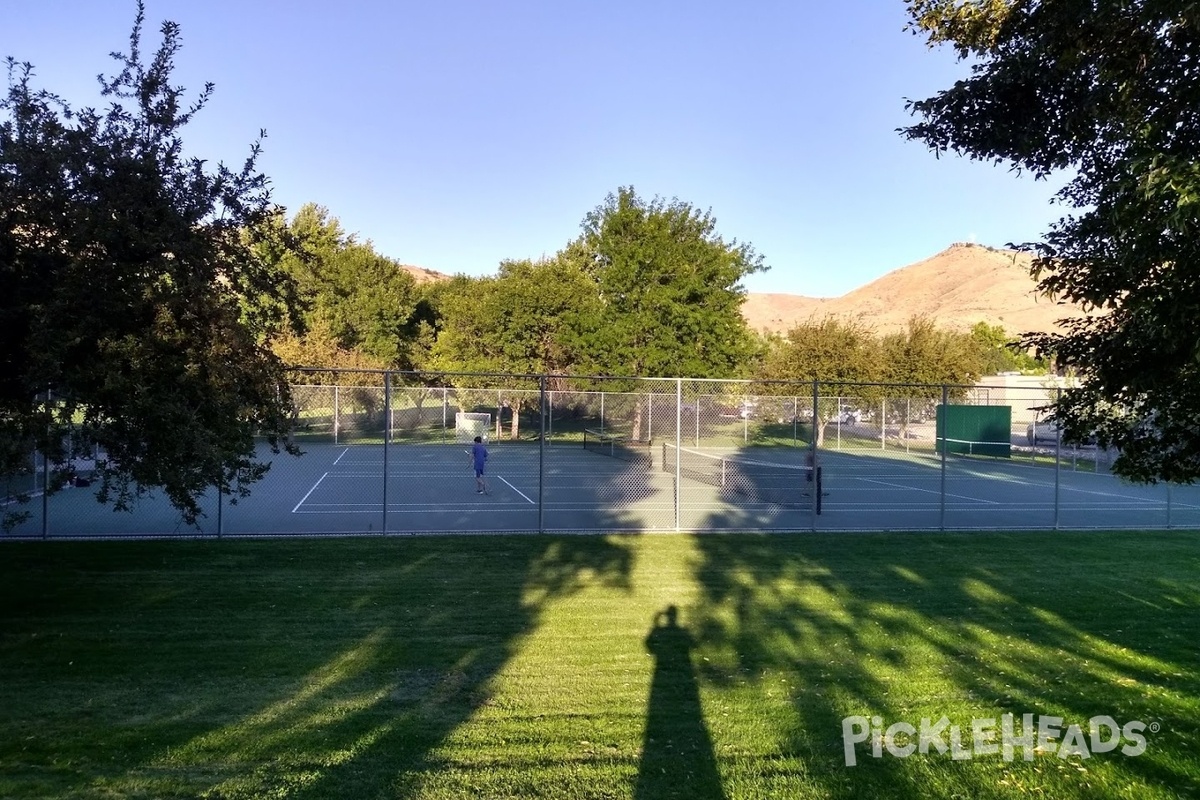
546 666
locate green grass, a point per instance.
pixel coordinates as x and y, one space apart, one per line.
529 666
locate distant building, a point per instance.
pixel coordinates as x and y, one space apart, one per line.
1029 395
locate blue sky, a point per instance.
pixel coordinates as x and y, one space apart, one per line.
454 134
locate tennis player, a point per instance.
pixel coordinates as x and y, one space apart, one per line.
479 456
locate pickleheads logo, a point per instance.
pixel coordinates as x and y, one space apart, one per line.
1031 734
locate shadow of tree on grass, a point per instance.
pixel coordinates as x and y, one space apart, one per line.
243 669
964 626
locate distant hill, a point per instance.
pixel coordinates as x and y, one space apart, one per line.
422 275
960 286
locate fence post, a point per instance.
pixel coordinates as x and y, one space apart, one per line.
907 419
813 463
387 404
336 413
945 400
1057 455
883 424
839 422
1168 505
679 440
542 454
795 422
45 495
46 478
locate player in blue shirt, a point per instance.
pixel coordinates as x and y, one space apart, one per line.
479 455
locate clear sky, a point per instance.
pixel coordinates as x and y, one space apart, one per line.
454 134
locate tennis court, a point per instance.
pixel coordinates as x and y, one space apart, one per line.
605 484
899 491
427 489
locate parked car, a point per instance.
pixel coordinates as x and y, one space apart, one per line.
1047 433
1042 433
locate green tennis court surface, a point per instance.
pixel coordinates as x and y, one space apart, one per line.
611 485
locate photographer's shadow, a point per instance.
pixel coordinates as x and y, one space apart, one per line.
677 752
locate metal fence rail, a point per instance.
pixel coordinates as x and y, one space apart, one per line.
385 453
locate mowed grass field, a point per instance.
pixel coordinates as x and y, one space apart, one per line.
549 667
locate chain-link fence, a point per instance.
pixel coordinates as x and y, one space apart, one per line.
390 453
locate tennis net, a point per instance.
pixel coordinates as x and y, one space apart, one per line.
788 485
618 446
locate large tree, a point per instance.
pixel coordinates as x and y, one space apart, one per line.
134 311
842 354
923 355
362 301
524 321
670 290
1108 93
998 352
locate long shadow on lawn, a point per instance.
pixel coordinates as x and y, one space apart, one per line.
677 752
433 667
1071 625
242 669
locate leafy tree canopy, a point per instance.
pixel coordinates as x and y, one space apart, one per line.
359 299
520 322
669 290
1107 91
517 322
134 309
924 355
1000 353
826 349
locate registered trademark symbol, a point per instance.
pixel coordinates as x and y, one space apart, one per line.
1154 726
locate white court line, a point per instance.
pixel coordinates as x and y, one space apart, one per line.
310 491
932 491
515 489
339 458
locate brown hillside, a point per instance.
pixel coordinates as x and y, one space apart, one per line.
422 275
956 288
960 286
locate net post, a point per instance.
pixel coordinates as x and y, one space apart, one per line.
818 488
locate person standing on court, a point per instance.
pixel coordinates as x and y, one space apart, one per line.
479 455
